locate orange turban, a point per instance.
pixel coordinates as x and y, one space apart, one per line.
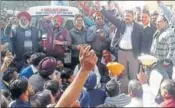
115 68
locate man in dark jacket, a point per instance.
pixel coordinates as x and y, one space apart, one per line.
149 30
24 38
78 35
61 39
127 41
98 35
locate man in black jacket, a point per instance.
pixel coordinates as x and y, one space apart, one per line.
149 30
127 41
24 38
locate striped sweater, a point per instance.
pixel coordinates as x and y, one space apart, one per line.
163 45
120 100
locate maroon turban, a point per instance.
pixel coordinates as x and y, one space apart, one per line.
59 19
25 14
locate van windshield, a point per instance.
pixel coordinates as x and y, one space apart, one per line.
68 21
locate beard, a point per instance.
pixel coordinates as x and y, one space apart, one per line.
24 25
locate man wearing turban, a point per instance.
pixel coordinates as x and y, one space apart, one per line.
24 37
58 39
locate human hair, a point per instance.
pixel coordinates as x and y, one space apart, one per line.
36 58
65 76
98 14
137 9
145 11
27 55
154 13
42 99
164 18
129 11
112 88
18 87
6 94
53 86
169 86
135 87
35 103
77 16
8 75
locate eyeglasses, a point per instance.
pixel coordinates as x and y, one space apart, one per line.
161 21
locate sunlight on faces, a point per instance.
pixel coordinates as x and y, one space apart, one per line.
24 22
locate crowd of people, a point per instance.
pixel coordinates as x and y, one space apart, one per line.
34 67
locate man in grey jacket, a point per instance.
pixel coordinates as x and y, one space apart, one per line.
98 35
163 45
78 36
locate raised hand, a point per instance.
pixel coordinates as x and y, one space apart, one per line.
3 47
142 77
88 58
8 58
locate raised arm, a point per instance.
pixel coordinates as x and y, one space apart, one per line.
115 21
84 7
8 30
165 10
7 61
88 59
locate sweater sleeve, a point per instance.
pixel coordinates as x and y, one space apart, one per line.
111 18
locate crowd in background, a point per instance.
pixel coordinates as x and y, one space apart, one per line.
52 65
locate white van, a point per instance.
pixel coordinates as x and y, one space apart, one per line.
67 12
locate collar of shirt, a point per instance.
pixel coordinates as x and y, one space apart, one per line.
130 25
34 69
145 26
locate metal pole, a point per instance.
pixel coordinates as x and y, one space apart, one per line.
0 57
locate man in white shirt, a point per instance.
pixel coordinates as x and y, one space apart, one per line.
148 95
